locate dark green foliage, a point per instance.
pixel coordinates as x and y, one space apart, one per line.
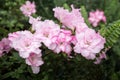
112 10
59 66
116 48
11 18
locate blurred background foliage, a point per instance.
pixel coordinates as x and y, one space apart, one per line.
57 67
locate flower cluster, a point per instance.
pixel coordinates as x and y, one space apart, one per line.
96 16
28 47
72 34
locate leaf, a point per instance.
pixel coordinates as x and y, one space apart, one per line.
66 6
111 33
85 15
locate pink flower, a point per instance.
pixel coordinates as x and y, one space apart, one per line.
81 27
45 30
28 8
96 16
35 69
89 43
69 19
62 42
25 43
35 61
4 46
60 13
35 22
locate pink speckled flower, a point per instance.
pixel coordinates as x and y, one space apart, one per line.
28 8
35 61
4 46
89 43
69 19
96 16
62 41
24 42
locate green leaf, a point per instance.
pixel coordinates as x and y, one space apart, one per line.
111 33
66 6
85 15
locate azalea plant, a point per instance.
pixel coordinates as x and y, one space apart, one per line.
72 33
